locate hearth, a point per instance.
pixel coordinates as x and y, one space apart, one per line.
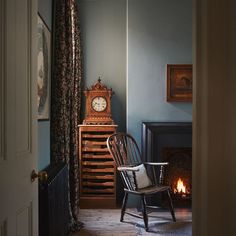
179 173
171 142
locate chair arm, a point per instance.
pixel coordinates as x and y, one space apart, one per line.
161 175
129 179
127 168
156 163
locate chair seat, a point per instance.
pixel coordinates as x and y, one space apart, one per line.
154 189
150 189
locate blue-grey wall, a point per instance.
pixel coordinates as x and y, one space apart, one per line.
45 11
103 29
43 144
129 43
159 33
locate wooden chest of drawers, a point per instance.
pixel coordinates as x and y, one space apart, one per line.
97 168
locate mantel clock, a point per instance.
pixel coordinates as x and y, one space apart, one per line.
98 105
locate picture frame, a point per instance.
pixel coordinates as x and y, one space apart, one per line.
179 82
43 69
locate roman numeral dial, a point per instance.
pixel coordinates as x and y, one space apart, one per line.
99 104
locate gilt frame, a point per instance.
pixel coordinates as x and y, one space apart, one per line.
179 83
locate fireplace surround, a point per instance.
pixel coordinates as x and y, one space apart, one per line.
171 142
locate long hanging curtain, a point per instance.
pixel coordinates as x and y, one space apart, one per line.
66 97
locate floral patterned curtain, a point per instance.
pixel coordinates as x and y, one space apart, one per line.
66 97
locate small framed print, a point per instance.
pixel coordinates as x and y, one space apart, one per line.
179 82
44 70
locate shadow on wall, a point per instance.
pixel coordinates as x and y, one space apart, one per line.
119 113
183 107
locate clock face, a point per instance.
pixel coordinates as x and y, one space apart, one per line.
99 104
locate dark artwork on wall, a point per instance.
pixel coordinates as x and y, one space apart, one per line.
179 83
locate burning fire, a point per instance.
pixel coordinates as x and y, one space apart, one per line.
181 188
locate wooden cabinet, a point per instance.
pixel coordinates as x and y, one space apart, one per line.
97 167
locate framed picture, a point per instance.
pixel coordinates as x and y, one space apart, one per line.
44 70
179 83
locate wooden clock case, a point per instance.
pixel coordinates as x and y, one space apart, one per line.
98 117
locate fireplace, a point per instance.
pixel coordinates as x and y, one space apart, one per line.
179 173
171 142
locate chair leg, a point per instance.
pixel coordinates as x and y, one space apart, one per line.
171 205
123 206
145 216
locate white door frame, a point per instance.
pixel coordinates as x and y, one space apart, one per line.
214 118
18 124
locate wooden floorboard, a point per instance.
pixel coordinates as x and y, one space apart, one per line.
106 222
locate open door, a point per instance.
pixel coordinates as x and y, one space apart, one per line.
18 127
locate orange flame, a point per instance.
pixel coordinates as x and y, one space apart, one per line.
181 188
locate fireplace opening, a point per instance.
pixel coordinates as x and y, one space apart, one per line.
178 174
